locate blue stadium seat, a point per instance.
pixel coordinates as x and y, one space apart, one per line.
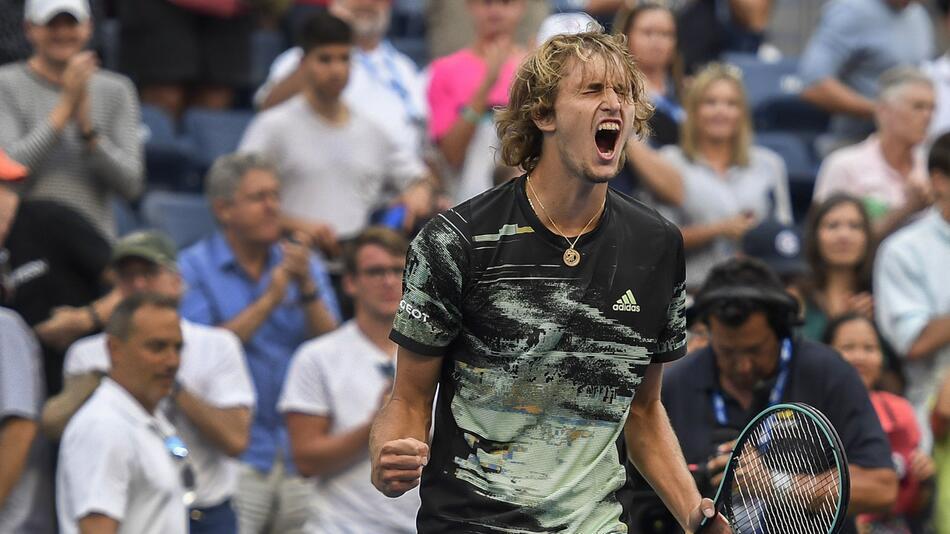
213 133
266 45
790 113
765 80
801 165
185 217
126 220
168 158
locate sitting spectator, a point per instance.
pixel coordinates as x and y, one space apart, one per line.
121 467
384 84
274 294
465 86
337 164
55 282
779 246
839 248
184 53
213 396
941 433
730 184
334 388
887 171
856 338
25 483
448 28
708 28
855 42
912 294
651 36
73 125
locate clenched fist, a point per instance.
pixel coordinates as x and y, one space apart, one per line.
397 467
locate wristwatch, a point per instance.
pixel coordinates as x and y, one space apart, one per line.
310 296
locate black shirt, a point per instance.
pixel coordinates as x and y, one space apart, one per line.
541 360
54 258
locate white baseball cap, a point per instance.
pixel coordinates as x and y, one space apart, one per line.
566 24
40 12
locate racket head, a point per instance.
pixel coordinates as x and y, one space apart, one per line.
828 446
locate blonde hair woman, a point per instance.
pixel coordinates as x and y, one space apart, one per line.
730 184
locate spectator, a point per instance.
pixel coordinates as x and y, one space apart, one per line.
384 83
730 184
448 28
753 361
213 397
856 338
912 293
24 470
274 294
839 248
122 468
183 53
53 282
779 246
856 41
465 86
938 70
941 425
887 171
334 388
336 164
73 125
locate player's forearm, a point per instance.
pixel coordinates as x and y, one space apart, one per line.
872 490
227 428
398 420
331 453
16 436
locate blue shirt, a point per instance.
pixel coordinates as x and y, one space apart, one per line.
218 290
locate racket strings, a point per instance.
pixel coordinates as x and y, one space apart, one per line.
786 479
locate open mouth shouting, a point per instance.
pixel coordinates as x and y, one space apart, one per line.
606 138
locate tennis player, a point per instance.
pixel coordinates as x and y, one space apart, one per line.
543 310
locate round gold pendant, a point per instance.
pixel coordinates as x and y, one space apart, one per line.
572 257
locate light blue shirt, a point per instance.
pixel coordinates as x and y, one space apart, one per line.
856 41
218 290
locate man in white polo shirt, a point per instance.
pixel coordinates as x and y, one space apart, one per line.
119 468
336 384
213 398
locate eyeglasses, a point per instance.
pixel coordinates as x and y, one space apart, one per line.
179 452
378 273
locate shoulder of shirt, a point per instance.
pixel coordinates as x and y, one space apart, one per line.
682 373
209 333
361 121
911 236
287 111
112 81
820 362
11 319
451 61
95 417
13 72
475 214
640 215
197 254
325 346
760 154
94 342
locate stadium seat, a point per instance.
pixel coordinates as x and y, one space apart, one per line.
765 80
126 220
213 133
802 167
790 113
185 217
168 158
266 45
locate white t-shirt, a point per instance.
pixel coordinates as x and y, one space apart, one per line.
113 461
340 375
213 369
332 173
385 85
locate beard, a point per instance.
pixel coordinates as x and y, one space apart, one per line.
371 27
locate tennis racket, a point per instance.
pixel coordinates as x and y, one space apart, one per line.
787 473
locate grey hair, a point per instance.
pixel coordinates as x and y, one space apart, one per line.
120 322
224 177
894 79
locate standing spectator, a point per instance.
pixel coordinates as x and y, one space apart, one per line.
887 171
335 386
856 41
24 468
384 84
55 282
912 293
856 338
839 248
121 467
337 164
213 397
182 53
465 86
730 184
274 294
73 125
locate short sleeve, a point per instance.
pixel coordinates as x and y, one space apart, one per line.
19 368
831 45
833 177
95 470
87 355
671 343
901 306
195 303
430 313
231 386
305 390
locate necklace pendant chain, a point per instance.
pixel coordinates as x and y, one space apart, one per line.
571 257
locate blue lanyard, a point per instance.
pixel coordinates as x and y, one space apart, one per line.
719 404
394 83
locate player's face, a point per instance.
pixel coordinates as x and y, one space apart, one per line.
652 39
254 212
719 112
328 70
148 360
376 287
60 39
858 343
746 354
592 120
493 18
841 238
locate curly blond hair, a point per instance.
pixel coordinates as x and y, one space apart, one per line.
536 85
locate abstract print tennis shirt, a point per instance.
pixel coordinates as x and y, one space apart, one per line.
540 360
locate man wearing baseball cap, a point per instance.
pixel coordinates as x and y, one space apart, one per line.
212 400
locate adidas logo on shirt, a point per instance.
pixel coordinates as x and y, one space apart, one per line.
627 303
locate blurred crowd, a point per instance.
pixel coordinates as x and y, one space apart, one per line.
205 207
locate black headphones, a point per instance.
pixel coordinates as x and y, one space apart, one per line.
782 301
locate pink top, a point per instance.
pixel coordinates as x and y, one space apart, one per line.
861 170
453 82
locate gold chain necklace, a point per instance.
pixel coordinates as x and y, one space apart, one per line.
571 256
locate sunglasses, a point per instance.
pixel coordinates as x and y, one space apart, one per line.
179 452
